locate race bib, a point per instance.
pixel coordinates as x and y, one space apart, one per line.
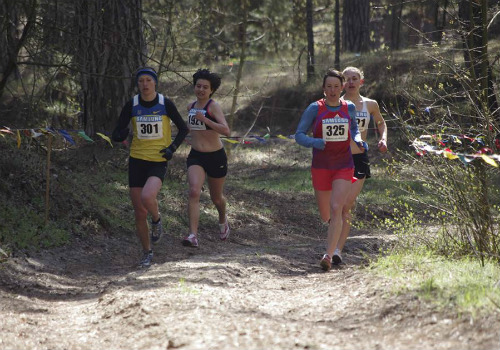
335 129
363 119
149 127
195 124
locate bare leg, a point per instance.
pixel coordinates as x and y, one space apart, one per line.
196 178
323 200
216 186
144 201
340 191
141 216
149 196
356 188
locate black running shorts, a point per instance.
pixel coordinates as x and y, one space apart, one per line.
139 170
214 163
361 165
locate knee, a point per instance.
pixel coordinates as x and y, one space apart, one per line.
218 200
194 193
336 210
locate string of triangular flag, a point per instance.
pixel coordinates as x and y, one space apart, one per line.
442 145
67 136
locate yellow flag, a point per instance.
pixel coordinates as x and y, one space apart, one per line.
450 155
489 160
284 137
18 139
231 141
105 137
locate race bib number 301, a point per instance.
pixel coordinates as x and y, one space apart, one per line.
149 127
335 129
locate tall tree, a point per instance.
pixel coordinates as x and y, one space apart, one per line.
110 48
473 17
310 39
243 27
440 10
355 25
337 34
11 16
396 14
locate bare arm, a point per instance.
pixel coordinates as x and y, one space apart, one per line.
379 121
221 125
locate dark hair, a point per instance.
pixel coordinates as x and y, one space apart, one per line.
146 70
333 73
213 78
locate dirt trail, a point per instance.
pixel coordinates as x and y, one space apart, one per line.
231 295
262 289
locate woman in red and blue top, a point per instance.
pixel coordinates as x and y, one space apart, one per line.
333 124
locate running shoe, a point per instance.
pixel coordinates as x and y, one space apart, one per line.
326 262
336 258
224 230
146 259
156 231
190 241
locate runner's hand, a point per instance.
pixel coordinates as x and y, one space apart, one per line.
168 152
319 144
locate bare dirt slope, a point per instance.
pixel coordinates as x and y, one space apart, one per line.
231 295
262 289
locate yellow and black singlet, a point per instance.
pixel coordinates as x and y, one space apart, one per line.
150 122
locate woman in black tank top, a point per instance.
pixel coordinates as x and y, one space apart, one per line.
207 158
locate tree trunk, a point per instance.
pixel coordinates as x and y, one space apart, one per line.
439 20
397 12
10 43
310 39
473 17
337 35
355 25
243 45
110 48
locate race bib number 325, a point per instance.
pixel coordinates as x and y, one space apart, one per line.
335 129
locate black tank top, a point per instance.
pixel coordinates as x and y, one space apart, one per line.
195 124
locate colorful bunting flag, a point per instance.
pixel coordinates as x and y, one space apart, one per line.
83 135
67 137
105 137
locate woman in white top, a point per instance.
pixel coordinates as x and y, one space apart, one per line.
366 109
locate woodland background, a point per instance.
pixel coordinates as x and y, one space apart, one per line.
432 65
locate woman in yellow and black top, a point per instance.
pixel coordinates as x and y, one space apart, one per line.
149 115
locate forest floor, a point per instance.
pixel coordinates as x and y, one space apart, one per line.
261 289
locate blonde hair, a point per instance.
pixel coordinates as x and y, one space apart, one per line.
355 70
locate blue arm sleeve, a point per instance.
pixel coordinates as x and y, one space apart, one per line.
305 123
355 134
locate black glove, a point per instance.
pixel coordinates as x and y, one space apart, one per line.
168 152
120 135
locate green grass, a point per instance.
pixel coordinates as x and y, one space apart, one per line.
463 285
